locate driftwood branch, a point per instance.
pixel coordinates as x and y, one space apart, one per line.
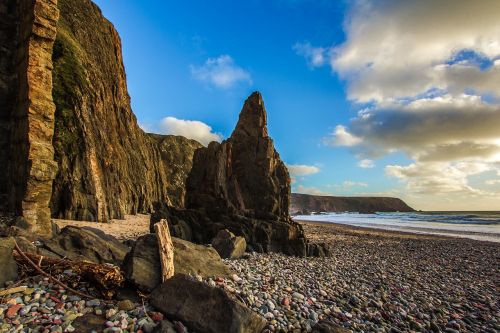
106 278
166 249
42 272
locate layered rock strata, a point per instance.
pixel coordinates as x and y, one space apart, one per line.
28 31
107 166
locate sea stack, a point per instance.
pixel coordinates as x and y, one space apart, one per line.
241 185
244 175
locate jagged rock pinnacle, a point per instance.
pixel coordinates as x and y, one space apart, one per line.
253 118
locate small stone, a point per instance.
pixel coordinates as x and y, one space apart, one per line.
13 310
110 313
298 295
126 305
92 303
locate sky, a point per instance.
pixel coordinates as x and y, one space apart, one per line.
364 97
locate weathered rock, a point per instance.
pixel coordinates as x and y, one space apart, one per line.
304 204
28 31
326 326
177 154
88 244
142 263
228 245
241 185
244 174
107 166
7 263
193 302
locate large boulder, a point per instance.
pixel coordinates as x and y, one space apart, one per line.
241 185
88 244
228 245
142 263
7 262
203 308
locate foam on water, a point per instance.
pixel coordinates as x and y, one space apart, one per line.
474 225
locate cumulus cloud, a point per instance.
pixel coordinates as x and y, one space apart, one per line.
398 48
315 56
191 129
302 170
221 72
426 84
341 137
366 164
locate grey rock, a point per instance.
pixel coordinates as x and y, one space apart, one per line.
89 244
142 263
193 302
228 245
7 262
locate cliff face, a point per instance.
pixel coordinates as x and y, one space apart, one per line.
27 34
69 142
177 154
306 204
107 166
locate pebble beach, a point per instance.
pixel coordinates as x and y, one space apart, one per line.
375 281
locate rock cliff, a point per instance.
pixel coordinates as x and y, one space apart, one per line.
27 34
107 166
306 204
70 144
241 185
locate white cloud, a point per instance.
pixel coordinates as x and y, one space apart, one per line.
439 177
191 129
310 190
428 85
221 72
366 164
341 137
297 170
492 181
350 183
397 48
315 56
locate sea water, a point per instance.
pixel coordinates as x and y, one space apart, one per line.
474 225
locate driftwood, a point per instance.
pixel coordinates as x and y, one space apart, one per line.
106 278
166 248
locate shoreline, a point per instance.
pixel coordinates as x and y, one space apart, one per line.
415 231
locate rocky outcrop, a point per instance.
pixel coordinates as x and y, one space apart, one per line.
244 174
87 244
177 154
228 245
142 264
304 204
241 185
179 298
28 31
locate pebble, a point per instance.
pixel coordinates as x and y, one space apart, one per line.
373 284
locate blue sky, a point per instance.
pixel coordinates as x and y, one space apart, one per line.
339 81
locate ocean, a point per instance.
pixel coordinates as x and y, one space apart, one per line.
474 225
